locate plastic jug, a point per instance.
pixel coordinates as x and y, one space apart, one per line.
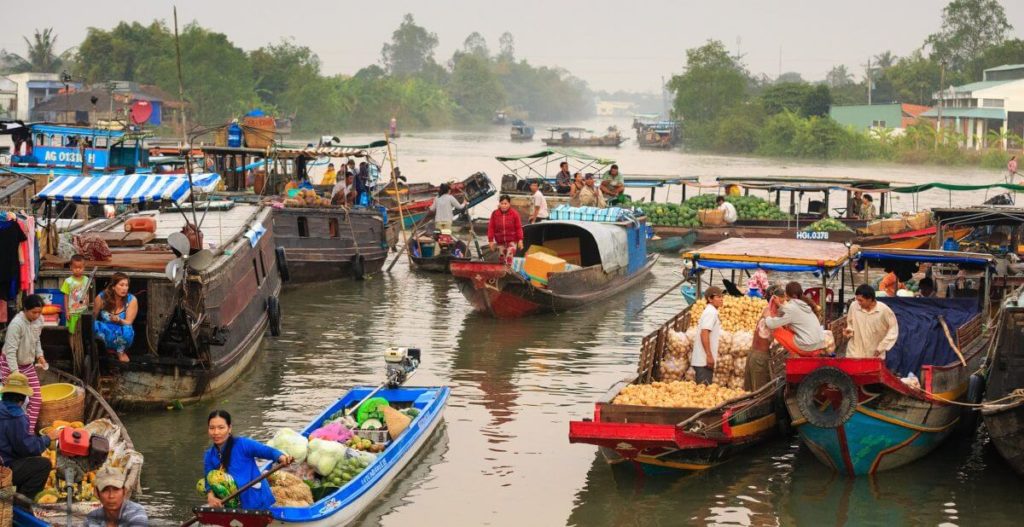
234 135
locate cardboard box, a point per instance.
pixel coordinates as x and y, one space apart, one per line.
537 248
539 265
567 249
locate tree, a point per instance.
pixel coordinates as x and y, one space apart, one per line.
788 96
884 60
476 44
714 83
790 77
410 50
131 52
838 77
914 79
41 55
506 47
817 102
473 86
1009 52
275 68
968 28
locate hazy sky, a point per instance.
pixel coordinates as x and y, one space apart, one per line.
612 44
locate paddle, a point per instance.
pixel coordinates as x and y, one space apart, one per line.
244 488
673 288
949 337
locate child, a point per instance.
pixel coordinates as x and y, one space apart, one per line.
76 292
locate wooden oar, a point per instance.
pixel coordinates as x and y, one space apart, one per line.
949 337
673 288
238 492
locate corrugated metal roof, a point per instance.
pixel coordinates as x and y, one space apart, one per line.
980 85
1005 67
969 113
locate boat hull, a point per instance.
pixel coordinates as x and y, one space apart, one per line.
1005 422
671 243
321 244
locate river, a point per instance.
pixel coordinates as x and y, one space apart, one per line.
502 456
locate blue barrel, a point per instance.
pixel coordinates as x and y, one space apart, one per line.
950 245
234 135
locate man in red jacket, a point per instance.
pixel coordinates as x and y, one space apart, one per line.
505 230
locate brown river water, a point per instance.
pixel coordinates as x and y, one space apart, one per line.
502 456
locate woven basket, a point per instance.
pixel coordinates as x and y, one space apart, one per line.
7 502
711 217
893 225
919 221
67 409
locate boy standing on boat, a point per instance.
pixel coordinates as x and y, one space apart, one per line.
870 325
76 292
709 328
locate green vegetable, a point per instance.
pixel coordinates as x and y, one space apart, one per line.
828 225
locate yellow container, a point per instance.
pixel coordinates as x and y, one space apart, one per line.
56 391
539 265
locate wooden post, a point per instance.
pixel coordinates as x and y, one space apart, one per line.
401 210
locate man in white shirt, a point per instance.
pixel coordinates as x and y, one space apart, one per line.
444 208
709 328
729 211
871 326
540 205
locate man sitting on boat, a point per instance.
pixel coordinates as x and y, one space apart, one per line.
613 185
796 328
344 191
19 449
116 510
870 325
563 180
729 213
589 195
444 208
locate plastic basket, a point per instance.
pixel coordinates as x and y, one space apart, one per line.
713 217
377 436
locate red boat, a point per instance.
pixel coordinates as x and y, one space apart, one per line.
613 257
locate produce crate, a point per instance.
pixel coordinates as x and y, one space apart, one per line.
259 131
893 225
377 436
711 217
919 221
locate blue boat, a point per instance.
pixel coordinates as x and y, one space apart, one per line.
60 149
344 505
864 415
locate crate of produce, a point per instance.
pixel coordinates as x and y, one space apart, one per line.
919 221
893 225
711 217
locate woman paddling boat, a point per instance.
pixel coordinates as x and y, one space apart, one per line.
236 456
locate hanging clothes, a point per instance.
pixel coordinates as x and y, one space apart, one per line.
28 252
11 239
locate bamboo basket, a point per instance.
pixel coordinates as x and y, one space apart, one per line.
6 497
711 217
893 225
68 409
919 221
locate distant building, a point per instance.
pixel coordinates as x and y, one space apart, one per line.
896 117
996 103
108 102
34 88
615 108
8 98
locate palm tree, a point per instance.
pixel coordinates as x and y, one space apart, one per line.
885 60
41 56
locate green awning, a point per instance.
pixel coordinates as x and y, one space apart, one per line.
558 152
948 186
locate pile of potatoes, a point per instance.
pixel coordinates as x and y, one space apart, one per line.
307 198
677 394
738 313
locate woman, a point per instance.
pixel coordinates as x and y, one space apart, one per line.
797 327
237 456
115 310
575 188
757 373
23 351
505 230
890 283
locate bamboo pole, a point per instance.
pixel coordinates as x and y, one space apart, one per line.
401 210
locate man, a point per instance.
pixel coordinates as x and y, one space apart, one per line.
709 328
590 195
444 208
613 185
20 450
871 326
729 213
867 208
853 207
344 191
563 180
1011 168
540 205
115 510
926 288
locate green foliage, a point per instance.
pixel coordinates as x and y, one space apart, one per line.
816 102
995 159
410 50
474 87
787 96
736 134
714 83
968 28
41 55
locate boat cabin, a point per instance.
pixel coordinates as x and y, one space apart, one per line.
42 148
796 187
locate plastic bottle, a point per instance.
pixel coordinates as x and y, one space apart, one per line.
234 135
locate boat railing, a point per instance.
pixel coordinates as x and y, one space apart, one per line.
653 346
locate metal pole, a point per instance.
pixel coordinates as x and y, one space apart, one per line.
181 84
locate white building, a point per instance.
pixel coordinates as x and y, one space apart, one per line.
8 98
996 103
34 88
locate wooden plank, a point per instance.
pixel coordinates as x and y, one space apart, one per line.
126 239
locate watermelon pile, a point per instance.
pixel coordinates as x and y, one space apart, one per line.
685 214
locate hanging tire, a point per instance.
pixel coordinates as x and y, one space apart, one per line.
783 422
358 267
282 264
842 397
969 417
274 316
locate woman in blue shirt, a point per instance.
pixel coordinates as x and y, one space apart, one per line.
237 456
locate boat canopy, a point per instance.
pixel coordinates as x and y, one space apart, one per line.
772 255
951 187
81 131
651 180
569 129
558 152
805 183
122 190
603 243
972 216
926 256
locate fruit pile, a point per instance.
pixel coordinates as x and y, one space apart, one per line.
828 225
738 313
685 214
307 198
365 445
345 470
678 394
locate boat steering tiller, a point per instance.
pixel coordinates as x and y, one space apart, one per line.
400 363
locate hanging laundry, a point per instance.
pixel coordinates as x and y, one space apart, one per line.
11 238
29 254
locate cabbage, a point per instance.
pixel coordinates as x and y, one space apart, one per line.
324 455
290 442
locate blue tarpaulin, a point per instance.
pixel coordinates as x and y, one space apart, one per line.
922 258
922 341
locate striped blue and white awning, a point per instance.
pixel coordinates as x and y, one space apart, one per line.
136 188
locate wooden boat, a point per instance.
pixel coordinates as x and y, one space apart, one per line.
347 503
1004 414
197 329
662 439
612 258
432 251
858 416
660 135
95 408
63 148
573 137
520 131
417 198
671 244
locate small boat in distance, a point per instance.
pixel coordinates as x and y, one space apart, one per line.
521 132
573 137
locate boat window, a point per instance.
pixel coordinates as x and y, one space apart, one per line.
333 225
263 265
303 227
256 272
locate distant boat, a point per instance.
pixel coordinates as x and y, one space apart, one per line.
658 134
521 132
573 136
500 117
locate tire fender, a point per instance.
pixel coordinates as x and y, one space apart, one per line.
274 316
844 395
282 264
358 266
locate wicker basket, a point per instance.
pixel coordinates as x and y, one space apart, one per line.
6 497
67 409
259 131
919 221
711 217
893 225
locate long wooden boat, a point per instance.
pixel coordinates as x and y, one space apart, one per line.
663 439
1004 414
613 257
573 137
347 503
433 253
95 408
329 243
193 337
672 243
858 416
520 132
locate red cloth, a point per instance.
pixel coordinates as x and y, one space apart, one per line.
786 338
505 227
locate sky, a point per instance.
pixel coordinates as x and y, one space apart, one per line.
613 45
